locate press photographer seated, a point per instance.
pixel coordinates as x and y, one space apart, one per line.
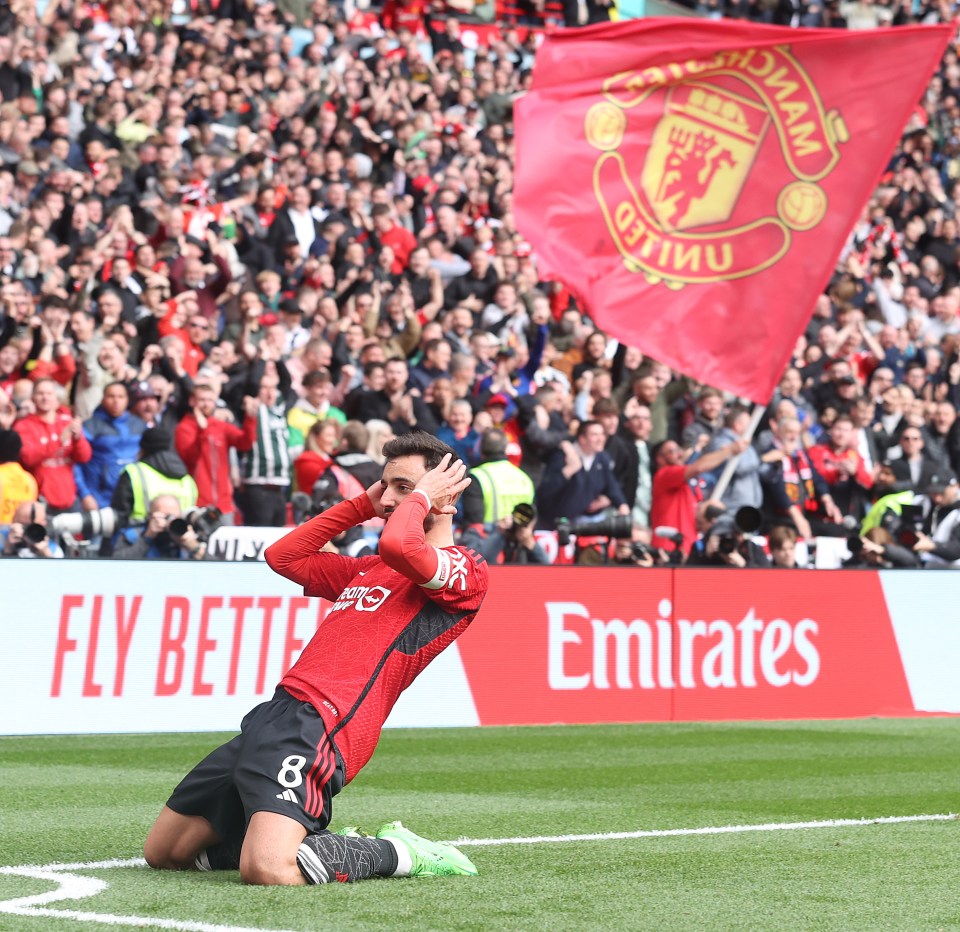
511 540
28 536
168 535
729 541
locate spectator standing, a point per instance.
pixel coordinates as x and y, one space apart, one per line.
53 442
207 280
114 435
498 485
672 500
708 420
794 492
314 406
744 487
633 462
265 467
203 441
458 432
942 436
395 404
578 479
911 466
842 468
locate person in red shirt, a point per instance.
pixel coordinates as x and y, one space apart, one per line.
672 502
203 442
184 321
53 441
263 801
398 238
842 467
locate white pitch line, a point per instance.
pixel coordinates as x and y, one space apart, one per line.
711 830
140 922
73 887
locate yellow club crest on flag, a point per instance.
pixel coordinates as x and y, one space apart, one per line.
676 225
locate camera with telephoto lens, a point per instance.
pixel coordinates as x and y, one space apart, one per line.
204 522
614 525
730 530
85 524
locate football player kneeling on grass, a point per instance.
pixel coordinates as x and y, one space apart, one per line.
262 802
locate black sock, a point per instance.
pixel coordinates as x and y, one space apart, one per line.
325 857
222 857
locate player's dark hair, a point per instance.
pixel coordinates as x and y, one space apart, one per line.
418 443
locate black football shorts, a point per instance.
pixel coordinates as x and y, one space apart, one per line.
282 761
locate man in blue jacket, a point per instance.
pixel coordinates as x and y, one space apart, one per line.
114 433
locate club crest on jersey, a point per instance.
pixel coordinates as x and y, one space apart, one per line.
363 598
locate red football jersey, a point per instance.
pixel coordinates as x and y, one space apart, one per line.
382 630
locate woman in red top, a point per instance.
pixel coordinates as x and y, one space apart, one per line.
322 443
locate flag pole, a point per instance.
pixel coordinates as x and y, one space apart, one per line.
731 465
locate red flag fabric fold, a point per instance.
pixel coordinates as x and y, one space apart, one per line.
693 182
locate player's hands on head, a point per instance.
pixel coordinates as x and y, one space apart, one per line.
444 484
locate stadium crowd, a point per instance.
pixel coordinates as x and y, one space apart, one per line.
244 243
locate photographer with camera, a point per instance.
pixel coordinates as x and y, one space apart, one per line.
158 470
730 542
877 550
636 551
168 535
938 541
511 541
27 536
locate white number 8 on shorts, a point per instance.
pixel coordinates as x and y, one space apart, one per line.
290 775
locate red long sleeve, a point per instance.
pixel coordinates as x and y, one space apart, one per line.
403 544
291 555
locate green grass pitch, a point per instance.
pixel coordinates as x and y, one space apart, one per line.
90 799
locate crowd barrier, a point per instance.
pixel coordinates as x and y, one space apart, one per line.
242 543
90 647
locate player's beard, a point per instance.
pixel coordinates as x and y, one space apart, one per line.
429 521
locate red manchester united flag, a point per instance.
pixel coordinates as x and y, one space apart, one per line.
694 182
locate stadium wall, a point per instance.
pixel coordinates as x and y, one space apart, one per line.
91 647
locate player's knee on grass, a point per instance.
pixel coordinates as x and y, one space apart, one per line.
272 871
175 840
162 857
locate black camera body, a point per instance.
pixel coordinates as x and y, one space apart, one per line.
731 530
910 525
204 522
522 516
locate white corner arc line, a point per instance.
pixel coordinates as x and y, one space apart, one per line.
70 886
710 830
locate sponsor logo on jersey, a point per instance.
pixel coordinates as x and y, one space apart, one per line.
363 598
